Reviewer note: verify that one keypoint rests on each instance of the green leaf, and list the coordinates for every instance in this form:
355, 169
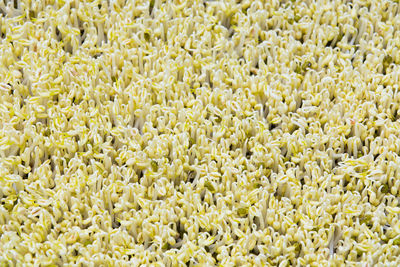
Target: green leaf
396, 241
386, 62
166, 246
209, 186
242, 211
297, 248
306, 65
366, 220
191, 142
297, 69
385, 189
151, 5
32, 14
154, 165
147, 36
257, 185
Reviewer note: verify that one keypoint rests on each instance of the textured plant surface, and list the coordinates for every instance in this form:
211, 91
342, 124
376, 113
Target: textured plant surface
231, 133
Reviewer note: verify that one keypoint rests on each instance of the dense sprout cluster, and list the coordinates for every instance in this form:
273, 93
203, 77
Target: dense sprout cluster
199, 132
